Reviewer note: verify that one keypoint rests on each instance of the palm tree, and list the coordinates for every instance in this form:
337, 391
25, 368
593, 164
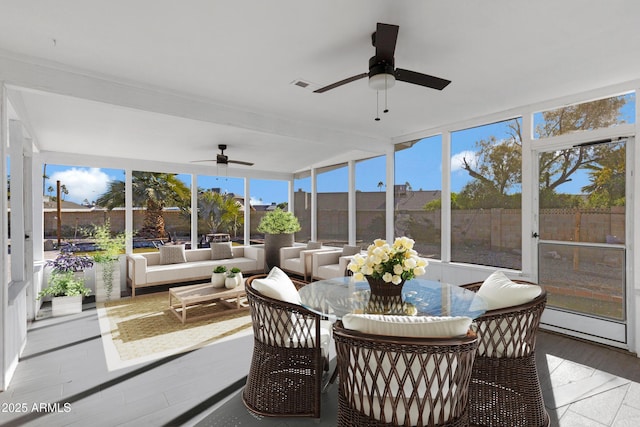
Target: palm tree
154, 191
219, 212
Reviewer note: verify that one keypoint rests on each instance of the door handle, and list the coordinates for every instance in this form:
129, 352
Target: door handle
534, 234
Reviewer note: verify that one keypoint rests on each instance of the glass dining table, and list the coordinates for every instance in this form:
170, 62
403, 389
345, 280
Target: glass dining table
333, 298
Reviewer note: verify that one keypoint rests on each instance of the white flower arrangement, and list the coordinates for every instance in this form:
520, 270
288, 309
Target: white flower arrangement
391, 263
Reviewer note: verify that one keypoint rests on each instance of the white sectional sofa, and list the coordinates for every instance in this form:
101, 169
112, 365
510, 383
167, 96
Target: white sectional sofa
169, 266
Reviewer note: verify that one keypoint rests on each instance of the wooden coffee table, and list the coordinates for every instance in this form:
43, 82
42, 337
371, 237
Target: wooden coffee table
196, 295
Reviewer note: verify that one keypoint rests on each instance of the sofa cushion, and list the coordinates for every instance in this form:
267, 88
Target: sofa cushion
221, 251
408, 326
498, 291
172, 254
277, 285
314, 245
350, 250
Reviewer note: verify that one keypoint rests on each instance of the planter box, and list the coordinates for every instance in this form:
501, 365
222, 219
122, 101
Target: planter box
61, 306
101, 291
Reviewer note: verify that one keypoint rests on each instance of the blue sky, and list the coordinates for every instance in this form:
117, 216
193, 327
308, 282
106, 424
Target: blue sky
420, 166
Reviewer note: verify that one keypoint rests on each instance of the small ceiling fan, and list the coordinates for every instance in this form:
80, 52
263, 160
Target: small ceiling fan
223, 159
382, 72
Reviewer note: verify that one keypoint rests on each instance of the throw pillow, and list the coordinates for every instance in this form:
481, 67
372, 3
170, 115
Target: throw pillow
408, 326
314, 245
498, 291
172, 254
277, 285
350, 250
221, 251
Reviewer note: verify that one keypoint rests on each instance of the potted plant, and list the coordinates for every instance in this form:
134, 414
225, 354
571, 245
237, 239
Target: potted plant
234, 278
66, 290
278, 227
107, 261
68, 262
218, 276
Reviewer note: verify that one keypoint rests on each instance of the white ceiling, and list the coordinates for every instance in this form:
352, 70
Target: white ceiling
168, 81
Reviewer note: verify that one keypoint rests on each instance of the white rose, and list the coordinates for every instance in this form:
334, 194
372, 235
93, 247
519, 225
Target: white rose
419, 271
387, 277
397, 269
396, 280
410, 263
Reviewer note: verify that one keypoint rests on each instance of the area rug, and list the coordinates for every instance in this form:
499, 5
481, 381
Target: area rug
143, 329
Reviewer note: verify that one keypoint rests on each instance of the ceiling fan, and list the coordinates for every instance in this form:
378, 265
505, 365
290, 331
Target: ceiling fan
223, 159
382, 72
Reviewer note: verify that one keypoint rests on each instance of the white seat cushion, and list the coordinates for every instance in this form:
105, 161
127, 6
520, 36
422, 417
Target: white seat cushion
498, 291
408, 326
277, 285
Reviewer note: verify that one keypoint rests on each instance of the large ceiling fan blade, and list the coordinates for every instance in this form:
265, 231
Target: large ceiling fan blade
202, 161
341, 82
384, 40
240, 162
421, 79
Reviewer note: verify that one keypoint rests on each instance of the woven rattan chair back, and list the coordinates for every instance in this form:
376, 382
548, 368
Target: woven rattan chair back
285, 375
505, 389
392, 381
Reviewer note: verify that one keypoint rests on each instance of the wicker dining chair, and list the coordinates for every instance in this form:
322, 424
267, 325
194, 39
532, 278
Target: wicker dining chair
285, 376
401, 381
505, 389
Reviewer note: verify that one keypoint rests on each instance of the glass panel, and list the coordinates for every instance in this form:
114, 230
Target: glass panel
220, 209
8, 217
370, 200
591, 115
266, 195
486, 174
333, 205
418, 194
582, 193
88, 197
302, 207
582, 279
162, 202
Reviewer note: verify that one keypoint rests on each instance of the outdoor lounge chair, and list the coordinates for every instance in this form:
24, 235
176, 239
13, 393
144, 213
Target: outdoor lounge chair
290, 352
505, 389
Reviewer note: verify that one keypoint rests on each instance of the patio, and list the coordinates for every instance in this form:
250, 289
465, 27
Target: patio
63, 363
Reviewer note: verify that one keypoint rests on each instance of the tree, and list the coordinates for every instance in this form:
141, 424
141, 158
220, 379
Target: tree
219, 212
153, 190
496, 166
608, 176
64, 191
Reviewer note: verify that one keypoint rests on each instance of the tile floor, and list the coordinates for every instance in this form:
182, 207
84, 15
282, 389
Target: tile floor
62, 380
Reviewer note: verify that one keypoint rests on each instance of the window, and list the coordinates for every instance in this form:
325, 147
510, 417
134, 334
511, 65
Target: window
486, 224
161, 204
266, 195
88, 197
333, 223
221, 207
302, 205
586, 116
370, 200
417, 193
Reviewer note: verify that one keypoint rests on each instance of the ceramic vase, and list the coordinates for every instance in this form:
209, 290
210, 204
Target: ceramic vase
218, 280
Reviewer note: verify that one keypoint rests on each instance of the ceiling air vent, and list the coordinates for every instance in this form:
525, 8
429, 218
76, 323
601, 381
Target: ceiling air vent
303, 84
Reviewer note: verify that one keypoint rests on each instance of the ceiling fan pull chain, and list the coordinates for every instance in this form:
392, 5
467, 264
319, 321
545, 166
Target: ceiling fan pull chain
386, 110
377, 119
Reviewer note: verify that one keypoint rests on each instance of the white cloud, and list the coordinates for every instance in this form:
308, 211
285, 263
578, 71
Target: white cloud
456, 160
82, 183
